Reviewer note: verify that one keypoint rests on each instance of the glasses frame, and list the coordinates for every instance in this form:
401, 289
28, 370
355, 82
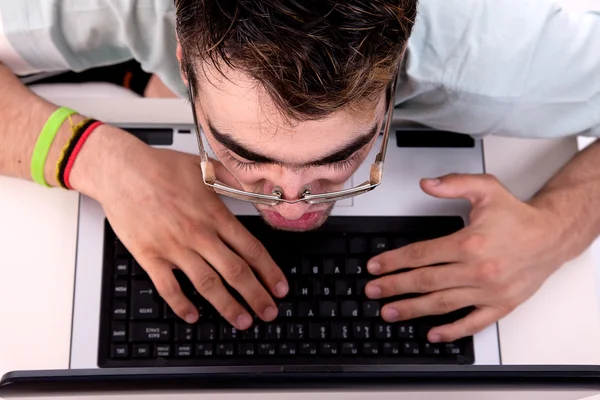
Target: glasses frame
375, 176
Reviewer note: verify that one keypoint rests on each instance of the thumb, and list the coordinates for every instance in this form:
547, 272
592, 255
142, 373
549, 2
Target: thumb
477, 189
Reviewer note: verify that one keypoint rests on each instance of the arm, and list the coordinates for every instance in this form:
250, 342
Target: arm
573, 197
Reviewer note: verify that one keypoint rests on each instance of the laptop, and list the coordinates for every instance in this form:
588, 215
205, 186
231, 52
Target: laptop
326, 323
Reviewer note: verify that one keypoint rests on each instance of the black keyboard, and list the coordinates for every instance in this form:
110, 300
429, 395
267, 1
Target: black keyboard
325, 320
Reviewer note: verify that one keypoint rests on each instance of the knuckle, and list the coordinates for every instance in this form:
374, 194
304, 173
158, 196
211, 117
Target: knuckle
491, 179
474, 243
489, 272
425, 282
415, 252
236, 271
206, 283
444, 304
254, 250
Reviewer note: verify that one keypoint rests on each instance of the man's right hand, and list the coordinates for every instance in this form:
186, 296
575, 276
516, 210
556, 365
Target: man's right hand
159, 207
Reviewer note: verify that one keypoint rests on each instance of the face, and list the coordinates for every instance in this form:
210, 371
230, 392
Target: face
259, 150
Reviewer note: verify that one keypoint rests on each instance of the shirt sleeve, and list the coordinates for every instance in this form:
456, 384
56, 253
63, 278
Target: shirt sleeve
503, 67
59, 35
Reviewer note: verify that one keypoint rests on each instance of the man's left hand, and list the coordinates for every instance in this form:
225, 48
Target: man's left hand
498, 261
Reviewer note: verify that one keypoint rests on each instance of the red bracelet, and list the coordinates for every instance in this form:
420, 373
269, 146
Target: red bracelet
76, 151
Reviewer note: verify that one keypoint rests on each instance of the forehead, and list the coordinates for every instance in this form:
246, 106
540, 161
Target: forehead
238, 106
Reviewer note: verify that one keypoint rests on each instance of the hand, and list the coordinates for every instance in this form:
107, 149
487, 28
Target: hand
160, 209
495, 263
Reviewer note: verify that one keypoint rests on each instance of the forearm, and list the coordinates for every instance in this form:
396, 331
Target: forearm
23, 115
573, 198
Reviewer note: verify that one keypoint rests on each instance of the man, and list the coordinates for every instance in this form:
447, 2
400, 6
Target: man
290, 95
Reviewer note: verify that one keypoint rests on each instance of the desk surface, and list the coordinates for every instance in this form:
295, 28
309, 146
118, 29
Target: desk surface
38, 233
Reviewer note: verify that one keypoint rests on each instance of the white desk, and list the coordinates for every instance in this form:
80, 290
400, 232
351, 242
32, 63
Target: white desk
559, 325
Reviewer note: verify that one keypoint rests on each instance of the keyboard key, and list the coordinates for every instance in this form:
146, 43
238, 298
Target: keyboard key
184, 350
168, 312
362, 330
308, 349
307, 310
349, 348
287, 349
341, 330
184, 333
328, 309
228, 332
274, 332
286, 310
254, 333
205, 350
370, 348
225, 349
411, 348
318, 330
370, 309
310, 267
246, 349
119, 351
119, 310
137, 269
350, 308
303, 288
207, 331
143, 300
432, 349
323, 288
453, 349
121, 288
121, 267
120, 249
360, 286
329, 349
383, 331
406, 331
323, 245
141, 350
391, 348
398, 242
379, 245
296, 331
354, 266
332, 266
205, 310
344, 287
358, 245
162, 350
119, 332
149, 332
267, 349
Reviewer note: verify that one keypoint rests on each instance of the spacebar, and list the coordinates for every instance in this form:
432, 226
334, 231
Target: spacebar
325, 245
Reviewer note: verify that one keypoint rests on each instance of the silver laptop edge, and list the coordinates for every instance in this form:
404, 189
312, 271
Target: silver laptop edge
399, 194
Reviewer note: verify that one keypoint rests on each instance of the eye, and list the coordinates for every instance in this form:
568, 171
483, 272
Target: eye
347, 163
241, 165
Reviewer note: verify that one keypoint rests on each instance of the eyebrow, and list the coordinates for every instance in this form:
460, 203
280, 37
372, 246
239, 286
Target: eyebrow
338, 155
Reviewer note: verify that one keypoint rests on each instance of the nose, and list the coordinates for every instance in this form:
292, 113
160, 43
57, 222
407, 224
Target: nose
291, 187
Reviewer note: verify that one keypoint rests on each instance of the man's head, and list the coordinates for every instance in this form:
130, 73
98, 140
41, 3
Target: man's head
291, 93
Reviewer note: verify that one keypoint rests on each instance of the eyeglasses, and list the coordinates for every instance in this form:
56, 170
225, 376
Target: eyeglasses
375, 175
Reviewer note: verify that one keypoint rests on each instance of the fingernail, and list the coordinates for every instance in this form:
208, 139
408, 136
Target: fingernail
373, 291
270, 313
190, 318
374, 267
281, 289
390, 314
433, 181
435, 338
244, 321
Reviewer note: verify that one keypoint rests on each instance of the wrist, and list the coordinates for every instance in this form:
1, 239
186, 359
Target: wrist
102, 154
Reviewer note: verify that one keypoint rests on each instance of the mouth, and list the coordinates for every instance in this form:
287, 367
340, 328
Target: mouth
308, 221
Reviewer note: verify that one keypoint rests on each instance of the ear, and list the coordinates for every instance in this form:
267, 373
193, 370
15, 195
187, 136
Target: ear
179, 58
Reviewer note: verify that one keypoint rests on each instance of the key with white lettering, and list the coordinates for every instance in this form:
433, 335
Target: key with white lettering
143, 300
149, 332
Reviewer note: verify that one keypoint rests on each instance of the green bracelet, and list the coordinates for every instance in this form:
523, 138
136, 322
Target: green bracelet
44, 142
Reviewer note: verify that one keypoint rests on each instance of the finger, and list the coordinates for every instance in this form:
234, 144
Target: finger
429, 252
210, 286
422, 280
472, 324
161, 274
240, 276
477, 188
437, 303
256, 255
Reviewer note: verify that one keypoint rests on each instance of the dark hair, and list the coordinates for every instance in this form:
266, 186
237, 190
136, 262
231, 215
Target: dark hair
313, 57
